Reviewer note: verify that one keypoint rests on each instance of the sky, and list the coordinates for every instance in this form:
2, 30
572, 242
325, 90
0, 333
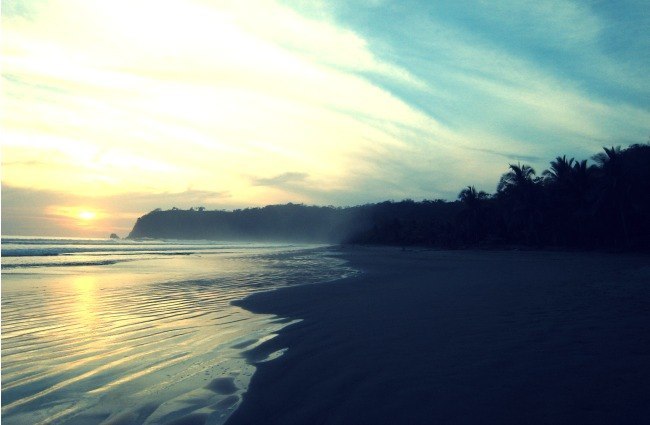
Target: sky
111, 109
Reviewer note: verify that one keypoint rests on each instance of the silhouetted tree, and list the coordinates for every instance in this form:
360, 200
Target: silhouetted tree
560, 171
581, 211
637, 165
472, 217
559, 197
614, 190
518, 180
518, 190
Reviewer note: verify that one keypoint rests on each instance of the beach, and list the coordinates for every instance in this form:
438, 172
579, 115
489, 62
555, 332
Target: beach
128, 332
425, 336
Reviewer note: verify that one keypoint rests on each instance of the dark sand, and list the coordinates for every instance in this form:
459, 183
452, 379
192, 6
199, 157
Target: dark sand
460, 337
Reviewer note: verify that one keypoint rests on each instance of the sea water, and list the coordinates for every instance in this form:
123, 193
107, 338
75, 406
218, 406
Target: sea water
138, 332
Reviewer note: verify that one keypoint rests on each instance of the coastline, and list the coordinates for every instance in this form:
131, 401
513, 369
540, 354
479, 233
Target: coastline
458, 337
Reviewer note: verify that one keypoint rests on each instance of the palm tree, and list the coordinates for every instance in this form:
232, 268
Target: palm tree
580, 172
519, 178
636, 166
471, 198
560, 170
614, 187
473, 214
582, 182
611, 158
518, 189
558, 182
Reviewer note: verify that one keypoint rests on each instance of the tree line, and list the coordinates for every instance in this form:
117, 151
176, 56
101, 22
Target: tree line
604, 204
573, 204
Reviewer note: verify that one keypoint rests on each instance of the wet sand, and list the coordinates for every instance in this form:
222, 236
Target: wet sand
459, 337
151, 340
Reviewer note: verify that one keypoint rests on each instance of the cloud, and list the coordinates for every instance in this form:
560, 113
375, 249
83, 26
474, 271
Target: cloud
319, 40
489, 87
157, 110
510, 155
280, 180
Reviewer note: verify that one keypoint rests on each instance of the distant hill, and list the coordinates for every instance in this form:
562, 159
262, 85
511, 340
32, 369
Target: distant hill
371, 223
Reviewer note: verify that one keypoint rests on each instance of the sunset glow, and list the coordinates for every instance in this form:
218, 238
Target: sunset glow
191, 103
87, 215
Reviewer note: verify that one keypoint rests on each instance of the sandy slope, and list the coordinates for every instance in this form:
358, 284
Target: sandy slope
460, 337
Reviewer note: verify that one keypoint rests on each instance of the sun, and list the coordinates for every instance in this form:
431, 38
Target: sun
87, 215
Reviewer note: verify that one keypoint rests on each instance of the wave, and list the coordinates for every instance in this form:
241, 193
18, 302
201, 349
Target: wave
29, 247
31, 252
74, 241
62, 264
53, 252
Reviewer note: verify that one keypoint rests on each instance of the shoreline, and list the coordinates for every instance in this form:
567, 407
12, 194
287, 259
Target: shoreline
153, 339
458, 337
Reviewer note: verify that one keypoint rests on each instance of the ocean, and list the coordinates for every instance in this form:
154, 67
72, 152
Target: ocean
98, 331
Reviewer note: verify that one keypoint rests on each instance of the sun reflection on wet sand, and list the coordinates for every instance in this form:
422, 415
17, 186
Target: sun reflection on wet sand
85, 302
